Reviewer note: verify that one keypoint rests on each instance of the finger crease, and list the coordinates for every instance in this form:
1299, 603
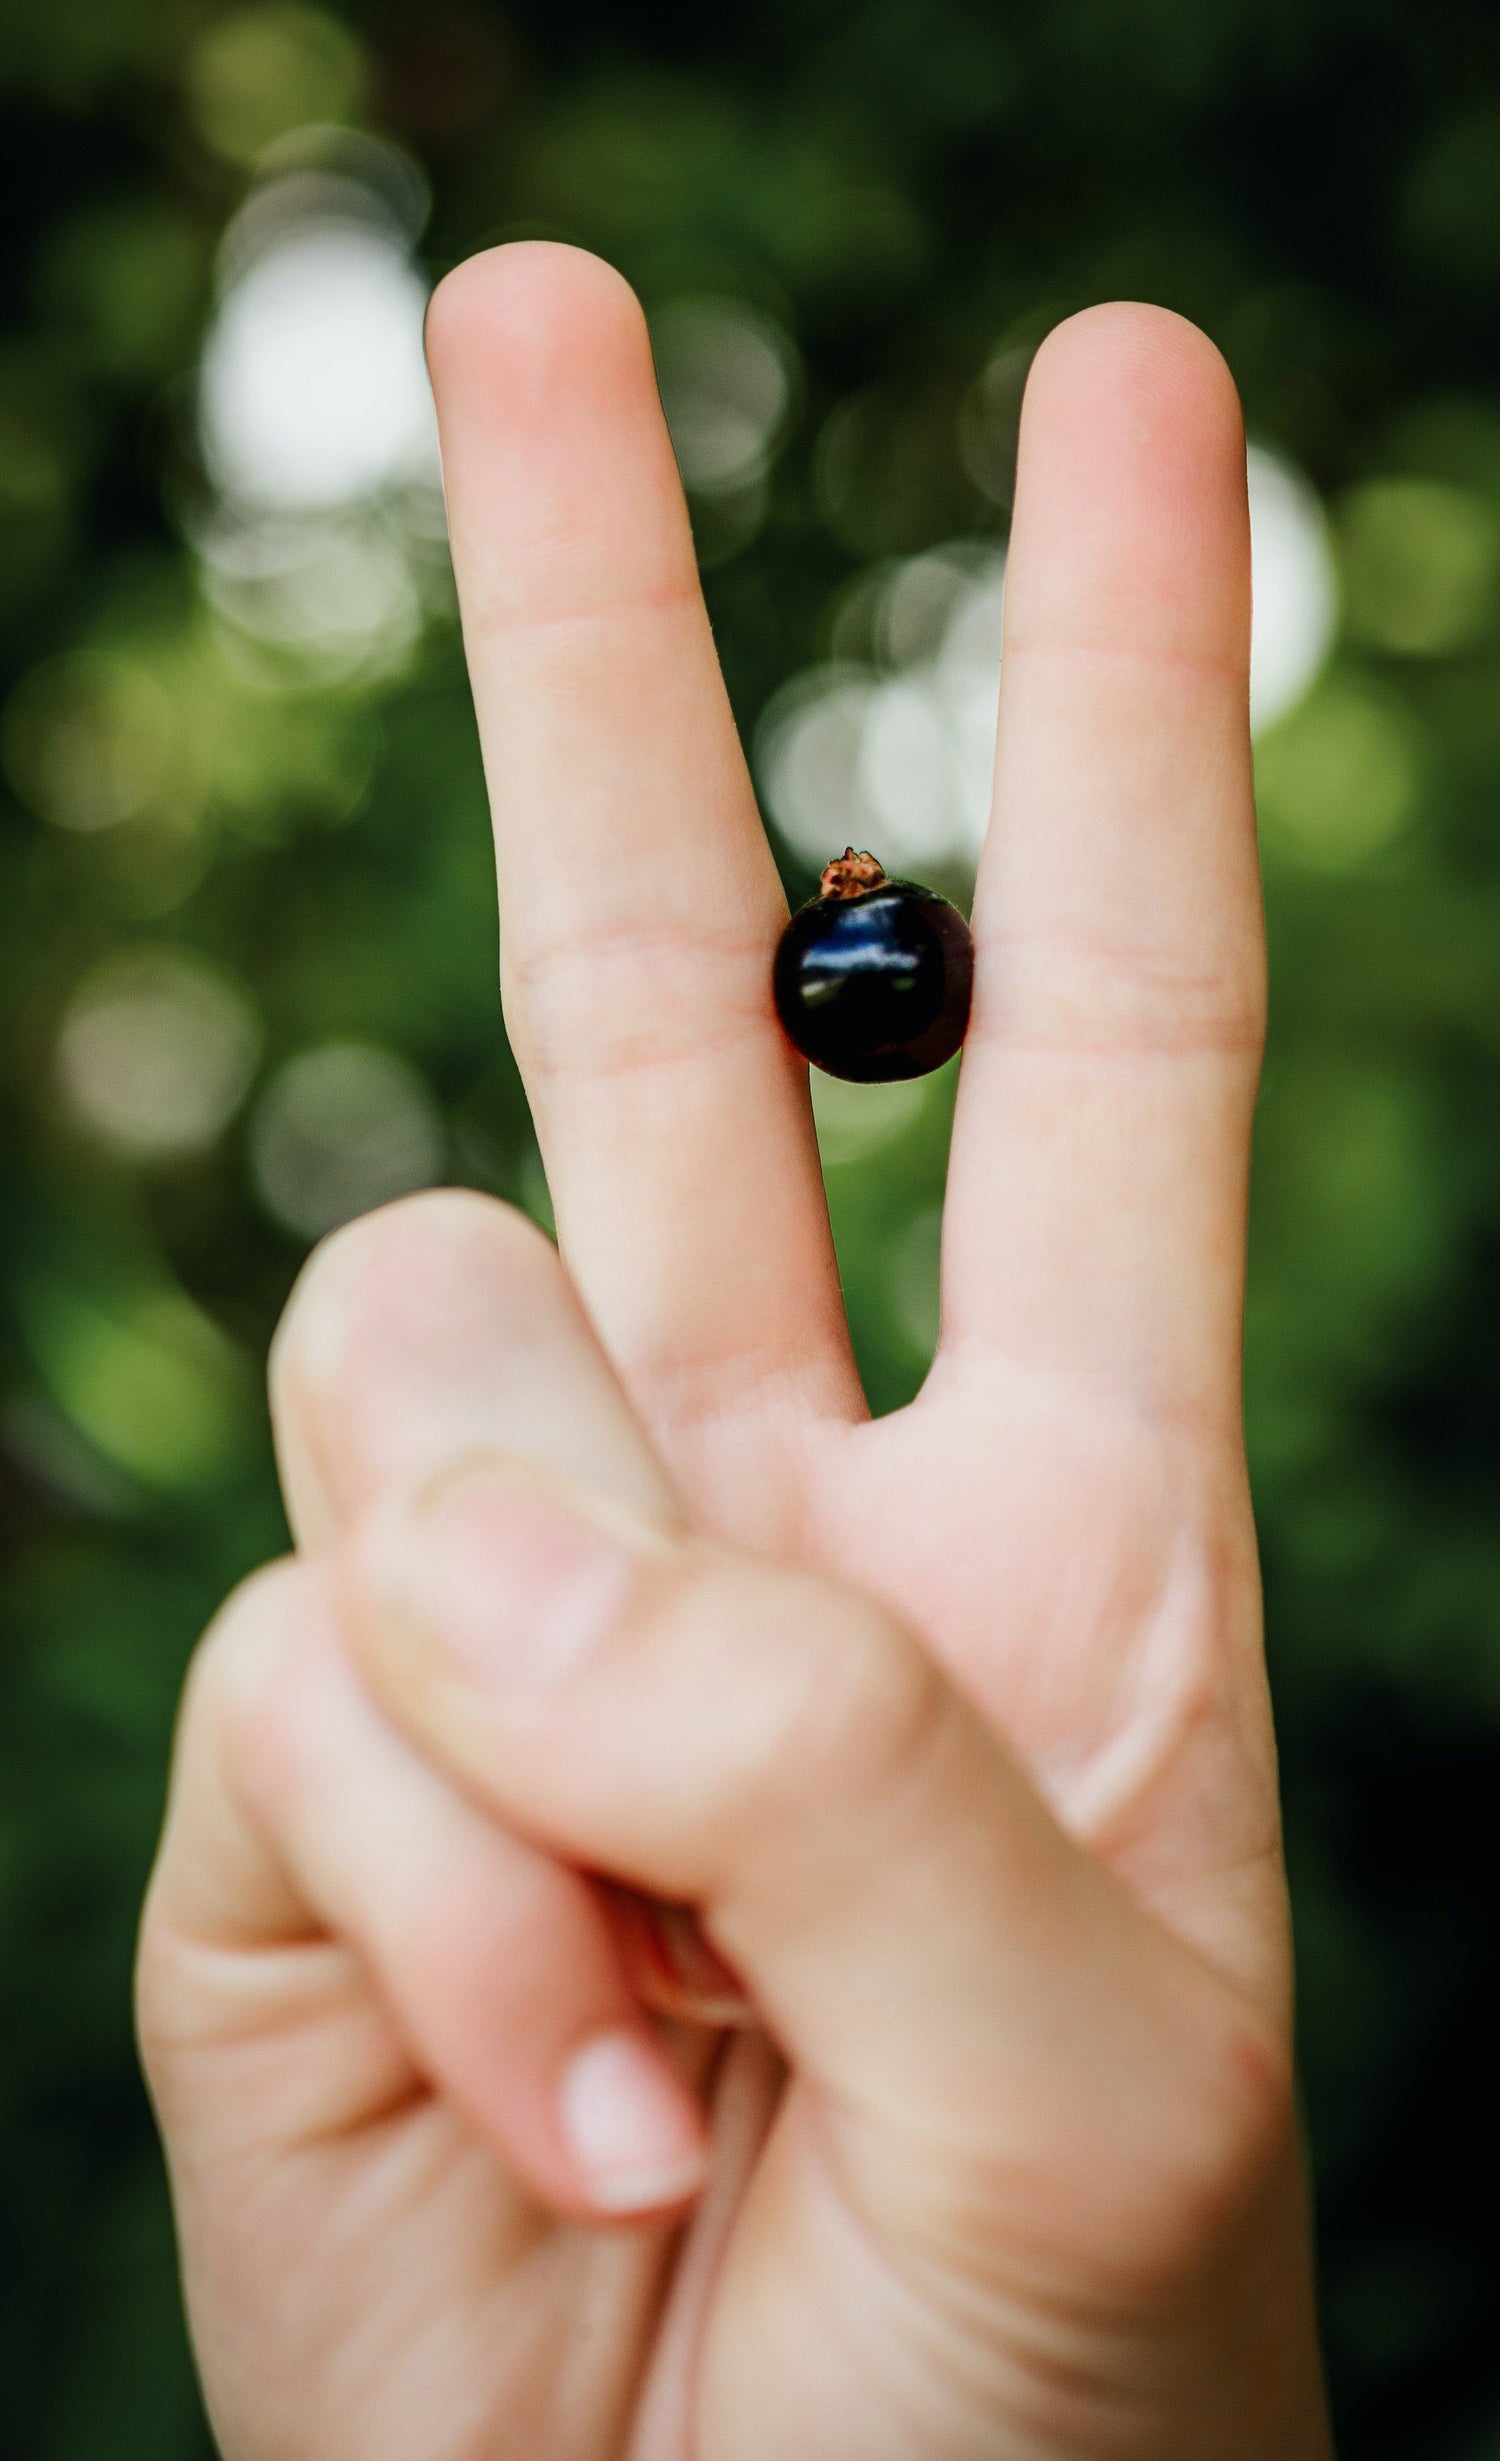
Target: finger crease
493, 619
1063, 646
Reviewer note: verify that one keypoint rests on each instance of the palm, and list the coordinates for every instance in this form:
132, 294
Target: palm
1062, 1513
1101, 1667
1090, 1579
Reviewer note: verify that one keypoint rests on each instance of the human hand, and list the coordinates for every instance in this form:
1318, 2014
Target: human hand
1032, 2183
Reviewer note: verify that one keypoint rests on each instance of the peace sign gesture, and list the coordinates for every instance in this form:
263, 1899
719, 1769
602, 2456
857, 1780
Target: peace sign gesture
953, 1724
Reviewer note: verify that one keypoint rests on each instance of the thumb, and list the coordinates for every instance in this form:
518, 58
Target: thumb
974, 1997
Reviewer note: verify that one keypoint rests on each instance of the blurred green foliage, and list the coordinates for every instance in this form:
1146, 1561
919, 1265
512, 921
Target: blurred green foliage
909, 192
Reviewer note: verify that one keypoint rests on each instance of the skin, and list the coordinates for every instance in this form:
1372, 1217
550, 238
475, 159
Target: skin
953, 1726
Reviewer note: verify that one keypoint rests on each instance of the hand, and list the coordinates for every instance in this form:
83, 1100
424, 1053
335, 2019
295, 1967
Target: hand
954, 1725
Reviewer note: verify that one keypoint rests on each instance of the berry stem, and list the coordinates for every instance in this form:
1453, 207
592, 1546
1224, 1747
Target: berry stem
850, 875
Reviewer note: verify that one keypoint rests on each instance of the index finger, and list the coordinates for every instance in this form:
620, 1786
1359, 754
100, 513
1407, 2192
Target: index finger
639, 903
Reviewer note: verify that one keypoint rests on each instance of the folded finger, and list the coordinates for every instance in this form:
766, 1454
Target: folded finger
436, 1324
923, 1939
301, 1818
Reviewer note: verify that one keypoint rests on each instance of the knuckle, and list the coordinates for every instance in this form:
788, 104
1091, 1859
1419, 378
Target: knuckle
155, 1974
1245, 2124
863, 1709
796, 1722
224, 1730
575, 997
243, 1698
166, 2005
498, 1927
158, 2031
1221, 2128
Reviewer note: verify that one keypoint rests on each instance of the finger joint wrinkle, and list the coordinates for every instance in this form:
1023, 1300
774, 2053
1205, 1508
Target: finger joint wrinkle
1155, 656
622, 1000
495, 618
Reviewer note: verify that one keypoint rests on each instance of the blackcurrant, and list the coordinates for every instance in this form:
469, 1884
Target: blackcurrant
873, 977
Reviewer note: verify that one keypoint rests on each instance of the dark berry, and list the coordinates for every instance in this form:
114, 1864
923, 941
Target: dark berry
873, 977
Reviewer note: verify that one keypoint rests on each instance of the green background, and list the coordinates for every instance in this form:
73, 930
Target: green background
907, 188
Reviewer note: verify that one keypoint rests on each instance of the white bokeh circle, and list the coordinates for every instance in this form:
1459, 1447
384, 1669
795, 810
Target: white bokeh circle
313, 391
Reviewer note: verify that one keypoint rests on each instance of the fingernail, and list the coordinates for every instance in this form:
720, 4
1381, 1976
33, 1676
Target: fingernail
507, 1584
628, 2127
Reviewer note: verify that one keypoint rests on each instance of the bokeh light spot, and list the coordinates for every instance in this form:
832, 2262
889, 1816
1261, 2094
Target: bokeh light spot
896, 751
1340, 780
314, 389
325, 544
340, 1129
156, 1052
726, 378
1295, 599
337, 595
89, 740
148, 1378
989, 425
260, 72
1420, 560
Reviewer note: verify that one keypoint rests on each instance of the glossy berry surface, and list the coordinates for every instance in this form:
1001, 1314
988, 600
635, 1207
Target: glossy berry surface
873, 977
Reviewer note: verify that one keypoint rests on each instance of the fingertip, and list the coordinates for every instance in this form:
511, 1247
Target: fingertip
1152, 373
563, 491
539, 304
1131, 514
501, 1973
634, 2132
